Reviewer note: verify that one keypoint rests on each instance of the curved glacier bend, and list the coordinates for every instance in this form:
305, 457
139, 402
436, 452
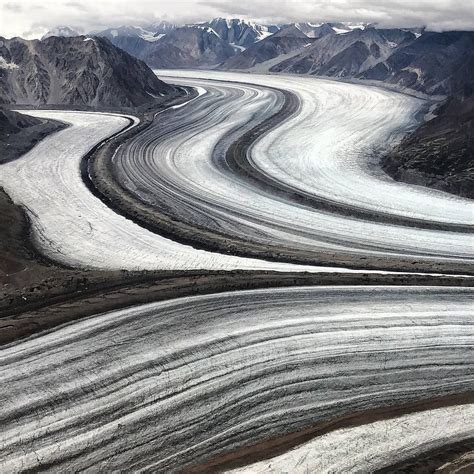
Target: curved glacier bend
167, 385
172, 166
72, 226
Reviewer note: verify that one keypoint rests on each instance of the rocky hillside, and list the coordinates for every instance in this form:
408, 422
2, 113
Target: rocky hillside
434, 63
205, 44
75, 71
440, 154
285, 41
188, 47
132, 39
20, 132
312, 30
346, 55
240, 33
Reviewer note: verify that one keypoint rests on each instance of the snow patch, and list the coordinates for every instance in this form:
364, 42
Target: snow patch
156, 38
237, 47
430, 114
4, 64
340, 31
200, 90
263, 34
155, 96
208, 29
415, 70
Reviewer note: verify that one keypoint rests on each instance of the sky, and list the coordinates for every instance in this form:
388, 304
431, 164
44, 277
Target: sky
32, 18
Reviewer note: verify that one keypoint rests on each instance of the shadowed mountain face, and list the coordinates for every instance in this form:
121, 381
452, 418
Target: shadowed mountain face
435, 63
19, 133
285, 41
432, 63
190, 46
132, 39
346, 54
440, 153
74, 71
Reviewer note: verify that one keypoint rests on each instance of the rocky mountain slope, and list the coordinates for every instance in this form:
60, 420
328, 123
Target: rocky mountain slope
20, 132
283, 42
433, 63
187, 47
132, 39
190, 46
440, 154
75, 71
240, 33
314, 30
348, 54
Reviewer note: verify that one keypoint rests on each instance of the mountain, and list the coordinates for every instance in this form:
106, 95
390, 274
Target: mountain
433, 63
312, 30
194, 45
346, 55
440, 153
283, 42
130, 31
132, 39
74, 71
239, 33
162, 27
64, 31
188, 47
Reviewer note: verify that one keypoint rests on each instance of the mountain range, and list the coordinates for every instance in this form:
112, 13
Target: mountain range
411, 58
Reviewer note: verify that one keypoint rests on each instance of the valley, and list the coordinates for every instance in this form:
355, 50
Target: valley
241, 260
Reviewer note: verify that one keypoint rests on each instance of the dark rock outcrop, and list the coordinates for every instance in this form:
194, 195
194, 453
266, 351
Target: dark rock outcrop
440, 154
20, 132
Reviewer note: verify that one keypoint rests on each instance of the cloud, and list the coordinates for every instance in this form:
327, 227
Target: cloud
12, 7
435, 14
34, 17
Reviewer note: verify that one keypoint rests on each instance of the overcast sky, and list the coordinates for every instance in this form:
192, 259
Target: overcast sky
32, 18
